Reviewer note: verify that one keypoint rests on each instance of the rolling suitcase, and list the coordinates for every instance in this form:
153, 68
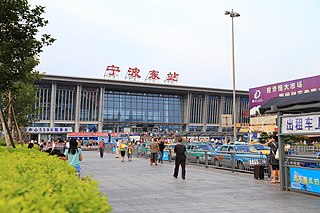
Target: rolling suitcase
258, 172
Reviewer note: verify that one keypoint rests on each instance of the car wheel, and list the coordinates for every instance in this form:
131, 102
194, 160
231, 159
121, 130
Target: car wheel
216, 162
241, 166
198, 160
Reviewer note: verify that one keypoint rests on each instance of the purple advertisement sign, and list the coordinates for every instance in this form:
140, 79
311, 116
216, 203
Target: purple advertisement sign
260, 95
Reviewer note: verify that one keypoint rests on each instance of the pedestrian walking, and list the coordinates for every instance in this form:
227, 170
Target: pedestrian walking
154, 148
101, 146
123, 147
180, 151
129, 151
117, 148
161, 148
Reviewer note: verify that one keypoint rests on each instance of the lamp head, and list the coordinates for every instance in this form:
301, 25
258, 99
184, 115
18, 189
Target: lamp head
227, 13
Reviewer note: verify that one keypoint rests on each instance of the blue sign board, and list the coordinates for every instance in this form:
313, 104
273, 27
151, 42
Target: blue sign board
165, 155
305, 179
255, 135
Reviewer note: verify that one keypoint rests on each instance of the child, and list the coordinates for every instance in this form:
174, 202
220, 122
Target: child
129, 152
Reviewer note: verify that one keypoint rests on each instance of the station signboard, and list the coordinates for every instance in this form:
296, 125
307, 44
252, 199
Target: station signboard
37, 130
301, 124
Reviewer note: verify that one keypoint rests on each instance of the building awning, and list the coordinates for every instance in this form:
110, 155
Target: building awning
303, 103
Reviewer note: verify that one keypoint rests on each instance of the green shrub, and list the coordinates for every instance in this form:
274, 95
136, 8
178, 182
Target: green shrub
3, 142
32, 181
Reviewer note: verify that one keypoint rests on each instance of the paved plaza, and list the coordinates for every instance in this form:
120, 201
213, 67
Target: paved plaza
138, 187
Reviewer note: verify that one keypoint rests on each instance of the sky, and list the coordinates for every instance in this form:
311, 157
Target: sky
275, 40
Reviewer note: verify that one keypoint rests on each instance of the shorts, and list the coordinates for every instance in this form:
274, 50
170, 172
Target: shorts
123, 153
78, 168
129, 155
153, 157
275, 167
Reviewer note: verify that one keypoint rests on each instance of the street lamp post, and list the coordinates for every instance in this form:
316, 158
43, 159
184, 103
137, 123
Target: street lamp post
232, 15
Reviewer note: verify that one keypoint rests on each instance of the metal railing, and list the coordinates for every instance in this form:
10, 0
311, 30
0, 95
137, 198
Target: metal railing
234, 164
303, 150
306, 162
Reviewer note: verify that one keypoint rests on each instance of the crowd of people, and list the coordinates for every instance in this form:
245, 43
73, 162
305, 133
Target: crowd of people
157, 146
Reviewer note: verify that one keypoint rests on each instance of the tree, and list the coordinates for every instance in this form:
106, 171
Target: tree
20, 45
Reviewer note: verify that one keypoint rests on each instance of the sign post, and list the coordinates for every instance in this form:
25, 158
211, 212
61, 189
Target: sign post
226, 120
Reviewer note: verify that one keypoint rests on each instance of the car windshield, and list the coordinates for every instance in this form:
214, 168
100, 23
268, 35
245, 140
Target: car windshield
242, 148
259, 146
204, 147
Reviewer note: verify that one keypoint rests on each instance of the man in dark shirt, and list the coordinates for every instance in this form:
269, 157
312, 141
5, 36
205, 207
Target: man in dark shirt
180, 151
161, 148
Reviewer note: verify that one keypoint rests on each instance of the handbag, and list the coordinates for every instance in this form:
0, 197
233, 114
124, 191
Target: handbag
276, 156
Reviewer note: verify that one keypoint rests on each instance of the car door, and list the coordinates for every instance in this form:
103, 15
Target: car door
221, 155
190, 153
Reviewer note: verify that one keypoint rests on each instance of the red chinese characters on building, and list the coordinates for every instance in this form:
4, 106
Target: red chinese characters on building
112, 71
133, 73
153, 75
172, 76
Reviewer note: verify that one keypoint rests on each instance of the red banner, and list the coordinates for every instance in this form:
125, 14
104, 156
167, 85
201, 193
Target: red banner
93, 134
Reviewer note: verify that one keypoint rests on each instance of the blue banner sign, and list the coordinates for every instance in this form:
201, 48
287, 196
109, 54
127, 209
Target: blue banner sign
165, 155
305, 179
36, 130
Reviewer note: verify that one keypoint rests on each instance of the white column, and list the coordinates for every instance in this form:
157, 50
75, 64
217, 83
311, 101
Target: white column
205, 113
77, 113
101, 106
53, 103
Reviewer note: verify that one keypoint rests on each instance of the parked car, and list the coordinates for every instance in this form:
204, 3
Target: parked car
169, 147
243, 157
261, 148
144, 149
196, 152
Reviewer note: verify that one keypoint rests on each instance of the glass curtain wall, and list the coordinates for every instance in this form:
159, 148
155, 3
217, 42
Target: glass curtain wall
127, 107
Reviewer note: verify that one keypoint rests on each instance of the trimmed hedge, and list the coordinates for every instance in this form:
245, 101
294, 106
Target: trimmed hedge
32, 181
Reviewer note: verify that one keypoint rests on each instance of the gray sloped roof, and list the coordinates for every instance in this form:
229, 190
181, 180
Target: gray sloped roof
304, 103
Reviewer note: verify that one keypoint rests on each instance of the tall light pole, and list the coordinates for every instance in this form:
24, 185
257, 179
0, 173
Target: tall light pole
232, 15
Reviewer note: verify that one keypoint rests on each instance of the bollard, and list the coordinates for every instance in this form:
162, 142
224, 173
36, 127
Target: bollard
206, 158
232, 162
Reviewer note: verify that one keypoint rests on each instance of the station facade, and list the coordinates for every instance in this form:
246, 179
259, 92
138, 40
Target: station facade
104, 105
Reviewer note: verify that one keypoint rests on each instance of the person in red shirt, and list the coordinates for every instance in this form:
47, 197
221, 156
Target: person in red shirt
101, 146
